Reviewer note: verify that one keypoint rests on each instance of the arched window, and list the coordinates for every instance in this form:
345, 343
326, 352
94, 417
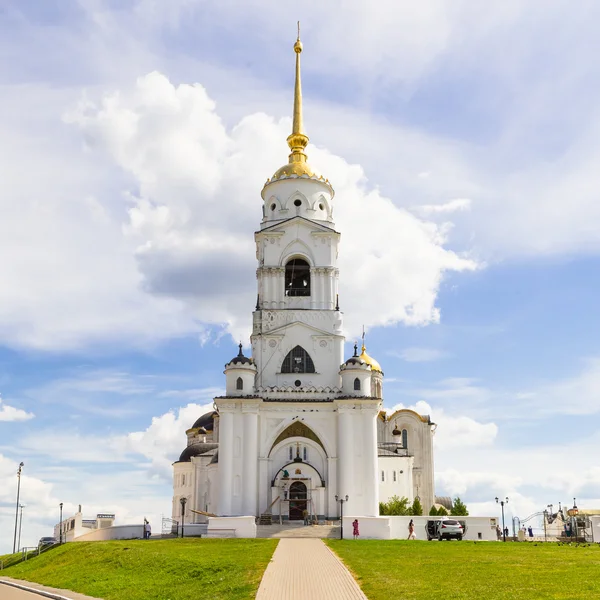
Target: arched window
357, 384
291, 453
382, 475
305, 453
239, 384
298, 361
404, 438
297, 278
394, 475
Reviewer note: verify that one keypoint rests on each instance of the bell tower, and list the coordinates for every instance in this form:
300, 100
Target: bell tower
297, 344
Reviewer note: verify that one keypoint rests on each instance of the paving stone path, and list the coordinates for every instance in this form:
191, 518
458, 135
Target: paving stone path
307, 568
35, 590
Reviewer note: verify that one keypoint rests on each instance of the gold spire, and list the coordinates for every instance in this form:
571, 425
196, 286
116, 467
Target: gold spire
298, 140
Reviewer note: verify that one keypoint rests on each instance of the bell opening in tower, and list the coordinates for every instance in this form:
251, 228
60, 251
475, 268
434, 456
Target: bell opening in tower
298, 361
297, 278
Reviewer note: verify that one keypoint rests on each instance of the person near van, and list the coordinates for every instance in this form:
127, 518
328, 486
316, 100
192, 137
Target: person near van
530, 531
411, 531
355, 531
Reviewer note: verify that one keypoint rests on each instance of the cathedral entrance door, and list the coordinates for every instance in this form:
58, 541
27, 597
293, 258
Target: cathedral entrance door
298, 498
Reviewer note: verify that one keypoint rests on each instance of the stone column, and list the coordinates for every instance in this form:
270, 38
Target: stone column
280, 283
225, 459
264, 484
371, 483
269, 287
345, 456
331, 481
322, 282
250, 458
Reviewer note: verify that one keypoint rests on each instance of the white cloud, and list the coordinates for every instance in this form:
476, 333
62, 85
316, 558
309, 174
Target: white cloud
454, 430
416, 354
576, 395
192, 217
164, 439
10, 413
454, 205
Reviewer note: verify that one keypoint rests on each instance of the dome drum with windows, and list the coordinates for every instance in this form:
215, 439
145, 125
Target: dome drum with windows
240, 373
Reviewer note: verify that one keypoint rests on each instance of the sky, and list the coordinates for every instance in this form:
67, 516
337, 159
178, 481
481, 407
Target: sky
135, 137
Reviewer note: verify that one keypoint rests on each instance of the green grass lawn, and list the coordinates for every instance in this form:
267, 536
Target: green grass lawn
483, 570
153, 570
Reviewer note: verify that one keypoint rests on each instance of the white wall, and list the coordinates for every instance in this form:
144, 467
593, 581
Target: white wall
402, 466
241, 527
117, 532
384, 528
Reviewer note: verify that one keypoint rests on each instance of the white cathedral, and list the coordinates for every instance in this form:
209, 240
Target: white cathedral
299, 427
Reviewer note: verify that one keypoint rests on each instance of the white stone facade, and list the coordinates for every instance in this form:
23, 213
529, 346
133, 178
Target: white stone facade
298, 426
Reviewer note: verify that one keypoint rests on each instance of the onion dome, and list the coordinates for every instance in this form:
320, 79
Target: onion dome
375, 366
354, 360
196, 450
297, 140
205, 422
240, 359
396, 430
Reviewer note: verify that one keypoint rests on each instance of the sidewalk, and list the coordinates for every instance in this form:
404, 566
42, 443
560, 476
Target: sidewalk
40, 591
307, 568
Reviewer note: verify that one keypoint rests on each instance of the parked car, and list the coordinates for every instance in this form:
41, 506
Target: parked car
444, 529
47, 541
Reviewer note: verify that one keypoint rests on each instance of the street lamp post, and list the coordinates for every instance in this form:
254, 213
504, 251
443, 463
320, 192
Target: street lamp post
60, 529
21, 465
502, 503
20, 524
182, 501
574, 512
341, 501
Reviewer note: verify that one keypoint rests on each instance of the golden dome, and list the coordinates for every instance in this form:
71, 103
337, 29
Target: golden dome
375, 366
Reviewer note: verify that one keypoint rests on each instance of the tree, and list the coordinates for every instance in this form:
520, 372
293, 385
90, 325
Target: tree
433, 511
416, 510
459, 508
442, 512
394, 506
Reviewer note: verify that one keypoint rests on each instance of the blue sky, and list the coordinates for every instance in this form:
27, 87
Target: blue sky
461, 141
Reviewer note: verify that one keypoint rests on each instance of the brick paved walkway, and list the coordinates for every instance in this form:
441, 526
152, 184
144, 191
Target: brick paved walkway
303, 569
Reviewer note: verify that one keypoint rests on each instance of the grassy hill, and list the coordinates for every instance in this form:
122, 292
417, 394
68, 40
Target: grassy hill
153, 569
482, 570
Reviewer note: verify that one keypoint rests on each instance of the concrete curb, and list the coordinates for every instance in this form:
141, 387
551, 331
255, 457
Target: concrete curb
40, 592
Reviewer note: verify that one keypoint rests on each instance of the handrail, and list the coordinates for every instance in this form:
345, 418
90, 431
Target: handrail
201, 512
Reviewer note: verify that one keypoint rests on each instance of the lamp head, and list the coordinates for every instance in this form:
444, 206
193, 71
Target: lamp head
496, 499
346, 497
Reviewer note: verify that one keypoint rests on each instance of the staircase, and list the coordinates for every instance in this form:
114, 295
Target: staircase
296, 529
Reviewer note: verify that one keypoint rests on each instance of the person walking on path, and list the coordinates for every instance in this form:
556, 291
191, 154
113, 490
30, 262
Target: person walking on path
411, 531
305, 516
355, 531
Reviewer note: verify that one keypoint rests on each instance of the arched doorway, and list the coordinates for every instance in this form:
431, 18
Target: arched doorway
298, 500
